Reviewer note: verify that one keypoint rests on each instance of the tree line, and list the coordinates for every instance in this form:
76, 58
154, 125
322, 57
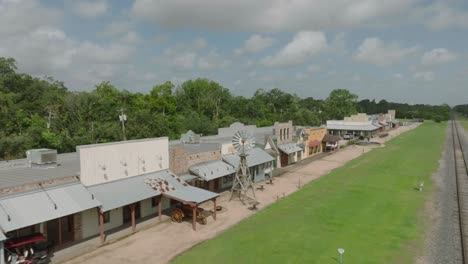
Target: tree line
43, 113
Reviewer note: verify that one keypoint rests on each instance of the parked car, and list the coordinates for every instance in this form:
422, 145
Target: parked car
331, 146
348, 136
31, 249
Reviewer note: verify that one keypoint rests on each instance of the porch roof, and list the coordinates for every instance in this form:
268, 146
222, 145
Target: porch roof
41, 205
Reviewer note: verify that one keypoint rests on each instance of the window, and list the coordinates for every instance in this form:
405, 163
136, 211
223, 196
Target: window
106, 217
227, 179
154, 202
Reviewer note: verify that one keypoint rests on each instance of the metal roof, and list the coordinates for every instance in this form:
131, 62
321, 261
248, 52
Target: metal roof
25, 209
289, 148
212, 169
192, 148
122, 192
352, 127
16, 172
255, 157
192, 194
187, 177
173, 186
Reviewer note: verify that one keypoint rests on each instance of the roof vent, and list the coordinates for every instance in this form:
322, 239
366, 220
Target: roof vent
41, 157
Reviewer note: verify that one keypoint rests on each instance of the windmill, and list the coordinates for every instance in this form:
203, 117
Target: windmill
243, 142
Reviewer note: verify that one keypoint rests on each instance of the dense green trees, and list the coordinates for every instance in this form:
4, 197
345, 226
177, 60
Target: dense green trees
43, 113
462, 109
434, 112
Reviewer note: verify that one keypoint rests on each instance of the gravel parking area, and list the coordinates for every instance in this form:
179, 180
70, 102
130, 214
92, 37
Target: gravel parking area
159, 244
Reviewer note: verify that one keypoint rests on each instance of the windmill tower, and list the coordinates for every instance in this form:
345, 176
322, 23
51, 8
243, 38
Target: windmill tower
243, 142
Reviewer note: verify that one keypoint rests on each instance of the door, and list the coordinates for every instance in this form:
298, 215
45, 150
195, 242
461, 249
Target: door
67, 230
127, 213
284, 159
61, 230
53, 232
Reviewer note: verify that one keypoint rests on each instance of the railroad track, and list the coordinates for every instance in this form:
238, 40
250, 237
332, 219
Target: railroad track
461, 173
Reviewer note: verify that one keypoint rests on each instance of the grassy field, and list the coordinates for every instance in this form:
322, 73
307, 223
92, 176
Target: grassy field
369, 207
464, 122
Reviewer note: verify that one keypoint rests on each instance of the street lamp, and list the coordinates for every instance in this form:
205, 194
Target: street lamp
341, 251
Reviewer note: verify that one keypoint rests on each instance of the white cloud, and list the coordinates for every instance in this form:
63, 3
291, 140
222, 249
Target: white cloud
303, 45
424, 76
441, 15
200, 43
313, 69
21, 17
88, 8
375, 51
437, 57
255, 43
398, 76
212, 61
181, 60
130, 38
41, 47
117, 28
271, 15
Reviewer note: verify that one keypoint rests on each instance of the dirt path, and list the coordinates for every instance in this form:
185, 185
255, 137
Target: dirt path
159, 244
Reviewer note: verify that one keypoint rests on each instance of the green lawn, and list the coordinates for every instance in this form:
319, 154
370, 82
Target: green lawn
369, 207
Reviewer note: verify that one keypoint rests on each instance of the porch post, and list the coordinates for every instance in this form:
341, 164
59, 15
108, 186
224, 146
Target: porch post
214, 209
60, 230
2, 253
160, 208
132, 208
194, 217
101, 225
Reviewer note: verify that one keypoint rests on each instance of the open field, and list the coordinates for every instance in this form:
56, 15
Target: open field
464, 122
369, 207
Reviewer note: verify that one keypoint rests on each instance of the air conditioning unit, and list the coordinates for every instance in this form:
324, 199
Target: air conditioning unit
41, 156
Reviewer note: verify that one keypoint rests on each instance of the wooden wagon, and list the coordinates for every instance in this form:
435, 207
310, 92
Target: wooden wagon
179, 213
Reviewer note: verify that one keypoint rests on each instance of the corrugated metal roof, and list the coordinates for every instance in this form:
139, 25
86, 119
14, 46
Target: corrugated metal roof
289, 148
201, 147
212, 169
187, 177
16, 173
255, 157
39, 206
122, 192
352, 127
171, 185
192, 194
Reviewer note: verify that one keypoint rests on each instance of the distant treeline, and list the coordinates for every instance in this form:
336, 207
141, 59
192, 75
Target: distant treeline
42, 112
461, 109
406, 111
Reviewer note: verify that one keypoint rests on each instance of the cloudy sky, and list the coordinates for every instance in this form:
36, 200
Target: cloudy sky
412, 51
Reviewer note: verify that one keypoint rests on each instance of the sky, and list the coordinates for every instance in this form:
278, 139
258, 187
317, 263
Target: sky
411, 51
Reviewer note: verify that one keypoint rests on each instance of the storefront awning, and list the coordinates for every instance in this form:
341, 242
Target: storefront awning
289, 148
41, 205
314, 143
123, 192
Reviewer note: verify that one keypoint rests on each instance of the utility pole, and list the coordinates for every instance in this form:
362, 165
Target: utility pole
48, 121
123, 118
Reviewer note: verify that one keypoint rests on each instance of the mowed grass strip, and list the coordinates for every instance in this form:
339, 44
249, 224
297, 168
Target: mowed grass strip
369, 207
